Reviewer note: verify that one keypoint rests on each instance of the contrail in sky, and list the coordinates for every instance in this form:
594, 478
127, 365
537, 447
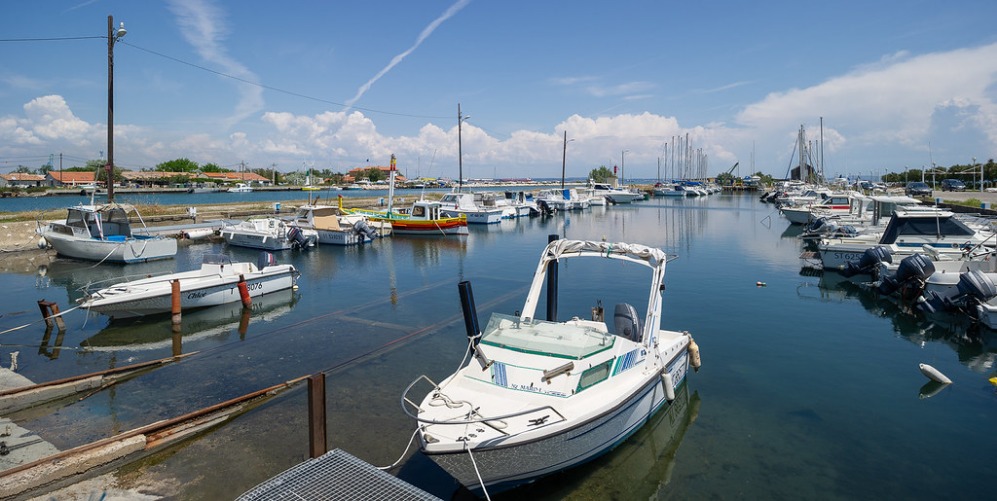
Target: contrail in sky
201, 25
428, 30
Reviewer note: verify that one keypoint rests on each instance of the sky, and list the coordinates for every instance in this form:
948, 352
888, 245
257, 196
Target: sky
876, 87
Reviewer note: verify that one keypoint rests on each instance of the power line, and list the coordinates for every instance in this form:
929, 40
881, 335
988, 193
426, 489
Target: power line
49, 39
275, 89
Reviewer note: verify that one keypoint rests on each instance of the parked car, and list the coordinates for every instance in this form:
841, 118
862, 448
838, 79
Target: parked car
953, 185
917, 189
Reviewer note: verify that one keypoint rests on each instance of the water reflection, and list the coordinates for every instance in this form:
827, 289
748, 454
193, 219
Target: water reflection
974, 344
155, 332
639, 468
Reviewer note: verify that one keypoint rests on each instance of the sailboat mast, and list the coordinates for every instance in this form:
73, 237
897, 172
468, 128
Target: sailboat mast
391, 181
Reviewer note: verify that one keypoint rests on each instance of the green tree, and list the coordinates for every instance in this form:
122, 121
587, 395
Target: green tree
373, 174
178, 165
212, 167
725, 179
600, 175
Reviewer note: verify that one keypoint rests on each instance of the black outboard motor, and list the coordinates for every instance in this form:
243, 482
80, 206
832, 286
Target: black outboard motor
912, 271
265, 259
297, 238
868, 262
362, 228
974, 287
545, 208
627, 322
817, 226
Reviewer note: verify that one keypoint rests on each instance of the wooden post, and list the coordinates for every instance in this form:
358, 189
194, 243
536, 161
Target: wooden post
175, 305
59, 322
316, 415
43, 306
50, 310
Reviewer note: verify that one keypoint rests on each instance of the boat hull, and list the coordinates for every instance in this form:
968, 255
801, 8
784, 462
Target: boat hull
506, 466
400, 227
154, 295
124, 250
476, 217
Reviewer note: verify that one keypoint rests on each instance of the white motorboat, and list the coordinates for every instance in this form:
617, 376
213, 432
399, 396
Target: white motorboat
456, 204
834, 205
547, 395
906, 233
241, 188
669, 190
514, 204
215, 282
555, 199
104, 233
617, 195
333, 227
269, 233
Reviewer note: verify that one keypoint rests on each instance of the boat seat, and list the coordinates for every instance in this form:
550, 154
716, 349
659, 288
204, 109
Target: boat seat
627, 322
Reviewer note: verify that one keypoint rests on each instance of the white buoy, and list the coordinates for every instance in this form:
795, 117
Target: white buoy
934, 374
42, 243
666, 380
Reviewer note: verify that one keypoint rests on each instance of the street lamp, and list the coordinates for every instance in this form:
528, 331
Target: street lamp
981, 174
112, 36
460, 152
564, 156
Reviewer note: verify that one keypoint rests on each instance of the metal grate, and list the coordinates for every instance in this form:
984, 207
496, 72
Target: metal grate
334, 475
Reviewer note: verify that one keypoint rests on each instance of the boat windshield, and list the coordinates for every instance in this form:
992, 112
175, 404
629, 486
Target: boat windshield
935, 226
216, 259
541, 337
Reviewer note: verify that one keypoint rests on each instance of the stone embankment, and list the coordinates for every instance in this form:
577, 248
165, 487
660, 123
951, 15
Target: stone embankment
19, 238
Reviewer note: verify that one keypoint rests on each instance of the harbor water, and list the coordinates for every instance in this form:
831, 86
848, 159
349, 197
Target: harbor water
810, 387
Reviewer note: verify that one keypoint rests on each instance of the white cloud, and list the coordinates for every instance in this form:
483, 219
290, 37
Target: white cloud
202, 25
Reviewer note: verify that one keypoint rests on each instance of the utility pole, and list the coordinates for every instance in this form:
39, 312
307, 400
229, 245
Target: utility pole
112, 37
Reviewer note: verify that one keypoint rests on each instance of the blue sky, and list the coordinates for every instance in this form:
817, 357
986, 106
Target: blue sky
338, 84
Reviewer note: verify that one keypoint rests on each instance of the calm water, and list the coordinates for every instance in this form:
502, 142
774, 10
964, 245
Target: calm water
809, 389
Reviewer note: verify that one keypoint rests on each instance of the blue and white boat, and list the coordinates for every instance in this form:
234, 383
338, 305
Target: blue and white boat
908, 231
543, 396
104, 233
465, 204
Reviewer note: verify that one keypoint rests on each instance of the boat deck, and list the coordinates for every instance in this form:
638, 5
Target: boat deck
335, 475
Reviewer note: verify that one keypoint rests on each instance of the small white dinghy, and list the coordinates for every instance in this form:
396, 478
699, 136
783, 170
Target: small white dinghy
547, 395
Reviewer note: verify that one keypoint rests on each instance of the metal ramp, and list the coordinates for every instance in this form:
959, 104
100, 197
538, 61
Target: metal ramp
335, 475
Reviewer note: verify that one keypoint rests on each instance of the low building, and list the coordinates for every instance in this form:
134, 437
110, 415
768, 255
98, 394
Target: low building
71, 179
150, 179
22, 180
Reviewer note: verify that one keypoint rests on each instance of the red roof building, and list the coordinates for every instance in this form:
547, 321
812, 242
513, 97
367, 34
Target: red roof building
71, 178
19, 179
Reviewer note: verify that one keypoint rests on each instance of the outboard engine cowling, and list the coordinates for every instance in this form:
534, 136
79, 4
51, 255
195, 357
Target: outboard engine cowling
917, 267
265, 259
362, 228
295, 235
627, 322
974, 288
977, 284
869, 260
